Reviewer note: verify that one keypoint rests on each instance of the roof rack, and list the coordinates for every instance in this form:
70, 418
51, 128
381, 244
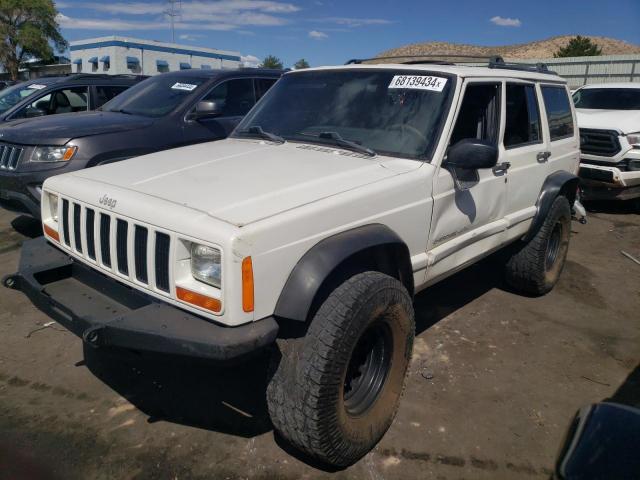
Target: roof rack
93, 75
539, 67
432, 58
494, 61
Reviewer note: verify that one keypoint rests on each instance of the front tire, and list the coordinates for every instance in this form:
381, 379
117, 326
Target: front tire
336, 390
535, 267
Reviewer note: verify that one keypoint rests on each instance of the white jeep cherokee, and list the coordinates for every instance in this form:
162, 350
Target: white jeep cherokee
342, 194
609, 121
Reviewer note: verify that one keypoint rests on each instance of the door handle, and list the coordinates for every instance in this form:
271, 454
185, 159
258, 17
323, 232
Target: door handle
501, 168
542, 157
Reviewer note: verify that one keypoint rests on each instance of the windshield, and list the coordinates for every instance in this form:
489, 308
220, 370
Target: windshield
608, 98
10, 97
154, 97
387, 113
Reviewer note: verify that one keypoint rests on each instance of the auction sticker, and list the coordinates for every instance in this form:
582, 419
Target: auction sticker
184, 86
418, 82
37, 86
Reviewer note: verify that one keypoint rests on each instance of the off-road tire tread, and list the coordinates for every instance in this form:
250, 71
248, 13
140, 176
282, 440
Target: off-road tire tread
525, 269
295, 394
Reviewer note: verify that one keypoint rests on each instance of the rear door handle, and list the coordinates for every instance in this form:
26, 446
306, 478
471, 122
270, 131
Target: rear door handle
501, 168
543, 156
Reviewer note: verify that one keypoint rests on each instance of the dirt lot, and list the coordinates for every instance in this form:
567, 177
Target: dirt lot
495, 379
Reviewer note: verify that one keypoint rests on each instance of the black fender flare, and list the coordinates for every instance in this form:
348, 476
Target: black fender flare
560, 182
319, 262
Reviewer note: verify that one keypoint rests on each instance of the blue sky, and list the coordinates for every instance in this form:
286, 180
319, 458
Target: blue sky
330, 32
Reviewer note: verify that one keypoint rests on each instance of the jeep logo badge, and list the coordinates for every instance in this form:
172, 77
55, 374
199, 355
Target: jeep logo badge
108, 202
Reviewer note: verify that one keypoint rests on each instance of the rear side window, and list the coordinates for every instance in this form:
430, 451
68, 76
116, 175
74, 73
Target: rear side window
262, 85
556, 102
105, 93
522, 117
65, 100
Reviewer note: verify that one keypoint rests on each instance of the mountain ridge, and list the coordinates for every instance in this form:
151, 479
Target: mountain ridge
537, 49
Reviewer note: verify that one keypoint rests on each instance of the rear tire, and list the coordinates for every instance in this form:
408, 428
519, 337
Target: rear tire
335, 391
535, 267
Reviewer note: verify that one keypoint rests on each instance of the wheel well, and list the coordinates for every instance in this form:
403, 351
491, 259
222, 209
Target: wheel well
390, 259
569, 189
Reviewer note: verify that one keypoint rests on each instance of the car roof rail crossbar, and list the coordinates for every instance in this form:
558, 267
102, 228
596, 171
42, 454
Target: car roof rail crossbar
525, 67
431, 58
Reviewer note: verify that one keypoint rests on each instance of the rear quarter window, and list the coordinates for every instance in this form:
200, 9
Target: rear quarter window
556, 102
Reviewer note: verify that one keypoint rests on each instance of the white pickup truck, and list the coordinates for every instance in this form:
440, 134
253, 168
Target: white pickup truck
344, 192
609, 121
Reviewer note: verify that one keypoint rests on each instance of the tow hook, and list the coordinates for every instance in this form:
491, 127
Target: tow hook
579, 213
92, 336
12, 282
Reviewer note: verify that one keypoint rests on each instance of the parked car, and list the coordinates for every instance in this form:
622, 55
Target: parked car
609, 121
344, 192
601, 443
165, 111
6, 84
61, 94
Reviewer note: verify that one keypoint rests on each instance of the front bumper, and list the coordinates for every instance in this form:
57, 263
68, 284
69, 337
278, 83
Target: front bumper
106, 313
21, 189
21, 192
604, 182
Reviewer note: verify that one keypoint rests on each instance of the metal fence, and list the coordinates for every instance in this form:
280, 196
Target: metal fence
586, 70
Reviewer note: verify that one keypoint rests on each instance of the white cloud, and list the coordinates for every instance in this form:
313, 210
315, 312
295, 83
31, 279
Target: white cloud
250, 61
190, 37
221, 15
106, 24
315, 34
506, 21
353, 22
189, 9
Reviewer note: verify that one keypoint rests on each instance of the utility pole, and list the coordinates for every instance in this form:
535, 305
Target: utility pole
172, 12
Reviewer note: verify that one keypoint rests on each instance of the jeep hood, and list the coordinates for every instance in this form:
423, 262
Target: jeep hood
626, 121
61, 128
237, 181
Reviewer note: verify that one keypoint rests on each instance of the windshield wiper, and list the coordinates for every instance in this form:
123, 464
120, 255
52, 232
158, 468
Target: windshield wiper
342, 142
257, 131
121, 110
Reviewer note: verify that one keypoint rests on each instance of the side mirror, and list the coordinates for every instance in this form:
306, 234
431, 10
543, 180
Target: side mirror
472, 154
33, 112
207, 109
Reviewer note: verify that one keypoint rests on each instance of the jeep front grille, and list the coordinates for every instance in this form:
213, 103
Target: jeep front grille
599, 142
117, 244
10, 156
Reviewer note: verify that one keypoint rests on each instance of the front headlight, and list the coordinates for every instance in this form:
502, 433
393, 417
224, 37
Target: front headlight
634, 139
53, 206
53, 154
205, 264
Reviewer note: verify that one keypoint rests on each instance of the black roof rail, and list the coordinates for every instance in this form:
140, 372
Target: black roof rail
431, 58
525, 67
494, 61
76, 76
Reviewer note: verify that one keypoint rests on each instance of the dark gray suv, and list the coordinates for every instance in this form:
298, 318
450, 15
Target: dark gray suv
162, 112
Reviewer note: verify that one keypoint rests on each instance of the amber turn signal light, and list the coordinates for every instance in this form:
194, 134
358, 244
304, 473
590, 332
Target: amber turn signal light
50, 232
198, 299
247, 285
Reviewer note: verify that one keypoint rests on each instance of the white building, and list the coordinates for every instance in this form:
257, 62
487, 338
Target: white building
120, 55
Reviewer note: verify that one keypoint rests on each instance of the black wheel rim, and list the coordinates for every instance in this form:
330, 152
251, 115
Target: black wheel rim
553, 246
368, 369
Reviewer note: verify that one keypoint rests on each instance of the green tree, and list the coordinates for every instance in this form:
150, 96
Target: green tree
270, 62
579, 47
302, 63
28, 29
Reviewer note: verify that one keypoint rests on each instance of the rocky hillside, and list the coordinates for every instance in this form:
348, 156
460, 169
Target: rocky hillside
539, 49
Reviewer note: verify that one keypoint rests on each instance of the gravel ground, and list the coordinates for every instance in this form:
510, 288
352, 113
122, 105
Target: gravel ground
495, 380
